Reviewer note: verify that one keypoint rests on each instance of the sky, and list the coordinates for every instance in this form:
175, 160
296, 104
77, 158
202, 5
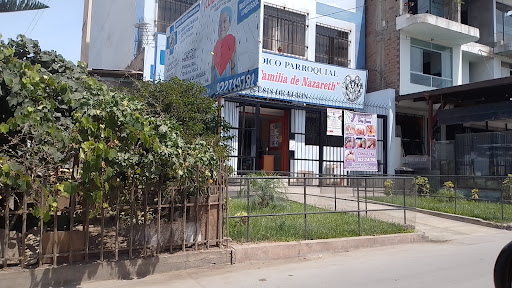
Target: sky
57, 28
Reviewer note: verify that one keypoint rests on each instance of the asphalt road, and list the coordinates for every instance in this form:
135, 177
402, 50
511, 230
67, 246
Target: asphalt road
466, 261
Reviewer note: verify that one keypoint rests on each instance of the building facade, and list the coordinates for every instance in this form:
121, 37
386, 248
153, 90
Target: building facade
449, 63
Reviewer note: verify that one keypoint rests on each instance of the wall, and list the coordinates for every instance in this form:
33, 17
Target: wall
111, 34
383, 48
386, 100
485, 69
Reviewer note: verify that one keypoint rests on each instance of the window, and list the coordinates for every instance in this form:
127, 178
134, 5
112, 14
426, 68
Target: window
431, 64
170, 10
331, 46
284, 31
313, 128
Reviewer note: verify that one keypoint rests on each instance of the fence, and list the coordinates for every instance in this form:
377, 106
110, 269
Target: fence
461, 194
135, 222
271, 208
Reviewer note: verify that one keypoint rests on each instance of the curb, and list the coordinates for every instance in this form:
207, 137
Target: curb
124, 269
285, 250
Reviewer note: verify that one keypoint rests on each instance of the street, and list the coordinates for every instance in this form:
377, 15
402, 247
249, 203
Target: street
465, 261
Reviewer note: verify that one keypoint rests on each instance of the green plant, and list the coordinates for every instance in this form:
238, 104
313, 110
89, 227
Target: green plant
388, 187
422, 185
448, 192
507, 188
265, 191
474, 194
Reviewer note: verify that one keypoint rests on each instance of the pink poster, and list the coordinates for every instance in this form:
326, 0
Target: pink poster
360, 142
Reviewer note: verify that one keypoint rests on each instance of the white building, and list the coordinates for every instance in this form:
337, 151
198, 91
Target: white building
446, 60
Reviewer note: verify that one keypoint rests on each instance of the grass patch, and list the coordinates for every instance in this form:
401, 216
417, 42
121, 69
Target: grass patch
478, 209
291, 228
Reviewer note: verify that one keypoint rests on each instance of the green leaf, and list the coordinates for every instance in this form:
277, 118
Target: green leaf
112, 153
4, 128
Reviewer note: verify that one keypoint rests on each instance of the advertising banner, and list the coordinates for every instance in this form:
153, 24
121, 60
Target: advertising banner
334, 122
286, 78
360, 142
216, 43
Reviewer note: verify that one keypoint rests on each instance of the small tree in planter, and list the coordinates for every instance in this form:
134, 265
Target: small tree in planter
422, 185
474, 194
388, 187
507, 188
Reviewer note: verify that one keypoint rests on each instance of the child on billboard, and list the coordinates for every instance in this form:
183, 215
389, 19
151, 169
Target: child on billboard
223, 60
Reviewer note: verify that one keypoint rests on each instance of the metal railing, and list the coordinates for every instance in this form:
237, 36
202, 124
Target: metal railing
316, 203
136, 222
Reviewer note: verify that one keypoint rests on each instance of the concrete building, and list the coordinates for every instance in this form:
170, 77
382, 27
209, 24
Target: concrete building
446, 61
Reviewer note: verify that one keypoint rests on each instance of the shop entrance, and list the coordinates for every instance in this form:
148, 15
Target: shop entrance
262, 138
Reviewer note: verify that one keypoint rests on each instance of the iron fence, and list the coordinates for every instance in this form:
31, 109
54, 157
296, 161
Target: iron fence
283, 208
135, 222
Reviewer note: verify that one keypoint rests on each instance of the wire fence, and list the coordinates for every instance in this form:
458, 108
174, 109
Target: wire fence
306, 207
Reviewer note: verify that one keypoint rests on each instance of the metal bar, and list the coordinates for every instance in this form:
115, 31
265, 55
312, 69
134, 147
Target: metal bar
132, 211
197, 209
144, 250
502, 214
365, 199
86, 232
405, 206
6, 230
55, 235
455, 197
314, 213
305, 211
207, 232
102, 241
248, 208
171, 236
118, 190
358, 209
23, 231
335, 196
159, 214
184, 220
41, 252
72, 203
220, 210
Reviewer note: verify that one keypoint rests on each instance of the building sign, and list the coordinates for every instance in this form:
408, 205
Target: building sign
360, 142
334, 122
216, 43
286, 78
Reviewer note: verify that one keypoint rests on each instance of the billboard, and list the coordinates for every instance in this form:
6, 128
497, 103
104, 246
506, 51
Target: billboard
216, 43
360, 142
286, 78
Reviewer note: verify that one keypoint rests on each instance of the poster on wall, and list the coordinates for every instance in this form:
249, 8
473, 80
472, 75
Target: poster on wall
215, 43
360, 142
334, 122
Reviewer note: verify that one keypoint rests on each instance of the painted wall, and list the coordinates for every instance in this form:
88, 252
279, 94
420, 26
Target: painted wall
154, 59
111, 35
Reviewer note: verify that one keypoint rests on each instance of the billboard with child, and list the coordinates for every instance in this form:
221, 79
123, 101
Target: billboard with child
216, 43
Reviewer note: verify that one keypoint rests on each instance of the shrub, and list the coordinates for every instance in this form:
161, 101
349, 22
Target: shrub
507, 188
448, 192
422, 185
388, 187
474, 194
265, 191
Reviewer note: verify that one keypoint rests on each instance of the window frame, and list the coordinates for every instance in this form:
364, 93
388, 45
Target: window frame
331, 58
288, 21
432, 47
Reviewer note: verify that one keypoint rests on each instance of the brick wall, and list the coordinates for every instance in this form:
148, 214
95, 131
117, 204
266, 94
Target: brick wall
382, 44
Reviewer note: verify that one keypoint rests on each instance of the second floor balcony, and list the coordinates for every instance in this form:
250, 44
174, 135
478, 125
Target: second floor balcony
435, 19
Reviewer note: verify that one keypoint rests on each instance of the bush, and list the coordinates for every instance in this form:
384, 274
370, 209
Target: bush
265, 191
422, 185
474, 194
448, 192
388, 187
507, 188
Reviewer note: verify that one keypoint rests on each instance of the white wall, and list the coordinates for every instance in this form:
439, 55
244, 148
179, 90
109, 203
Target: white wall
386, 98
484, 70
112, 34
465, 70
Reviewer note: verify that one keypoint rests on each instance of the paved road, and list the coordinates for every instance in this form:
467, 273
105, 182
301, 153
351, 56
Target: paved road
465, 261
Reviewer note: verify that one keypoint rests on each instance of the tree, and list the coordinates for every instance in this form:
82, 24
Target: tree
21, 5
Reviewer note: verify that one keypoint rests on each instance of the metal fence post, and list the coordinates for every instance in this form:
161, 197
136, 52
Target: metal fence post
455, 197
335, 195
405, 206
305, 210
358, 209
365, 199
248, 207
502, 214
